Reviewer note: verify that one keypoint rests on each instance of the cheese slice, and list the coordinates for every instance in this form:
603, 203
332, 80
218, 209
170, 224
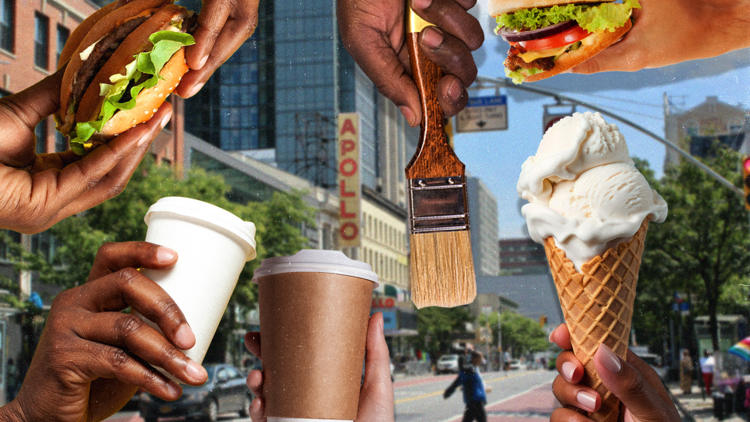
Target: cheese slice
530, 56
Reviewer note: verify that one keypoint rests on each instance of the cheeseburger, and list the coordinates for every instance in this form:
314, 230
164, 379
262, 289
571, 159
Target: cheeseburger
548, 37
122, 63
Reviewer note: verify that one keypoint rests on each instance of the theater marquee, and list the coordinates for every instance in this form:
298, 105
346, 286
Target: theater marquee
349, 181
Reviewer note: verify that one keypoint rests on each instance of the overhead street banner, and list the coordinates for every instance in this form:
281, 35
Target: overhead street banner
483, 114
349, 180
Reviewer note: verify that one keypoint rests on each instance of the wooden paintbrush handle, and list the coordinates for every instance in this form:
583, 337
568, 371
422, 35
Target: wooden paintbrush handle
434, 156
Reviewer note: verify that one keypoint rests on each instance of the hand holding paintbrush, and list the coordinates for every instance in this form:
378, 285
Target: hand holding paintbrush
442, 268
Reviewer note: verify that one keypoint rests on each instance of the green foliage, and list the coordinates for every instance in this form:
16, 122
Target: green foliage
520, 335
279, 223
700, 250
439, 327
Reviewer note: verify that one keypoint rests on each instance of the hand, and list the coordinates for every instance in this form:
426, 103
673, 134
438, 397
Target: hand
373, 32
91, 357
641, 392
223, 26
672, 31
376, 395
41, 189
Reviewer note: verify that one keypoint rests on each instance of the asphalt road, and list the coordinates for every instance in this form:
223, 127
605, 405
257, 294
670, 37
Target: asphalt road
516, 396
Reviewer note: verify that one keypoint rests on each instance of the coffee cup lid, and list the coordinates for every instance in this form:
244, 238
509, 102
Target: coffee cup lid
316, 261
208, 213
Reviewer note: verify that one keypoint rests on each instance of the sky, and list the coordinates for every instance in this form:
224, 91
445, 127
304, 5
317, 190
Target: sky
496, 157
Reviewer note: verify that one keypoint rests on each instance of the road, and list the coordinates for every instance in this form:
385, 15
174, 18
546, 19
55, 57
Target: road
517, 396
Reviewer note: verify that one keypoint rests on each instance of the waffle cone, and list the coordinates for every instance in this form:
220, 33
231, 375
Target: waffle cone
597, 304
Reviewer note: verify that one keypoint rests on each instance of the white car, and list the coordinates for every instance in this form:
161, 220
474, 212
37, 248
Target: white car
447, 363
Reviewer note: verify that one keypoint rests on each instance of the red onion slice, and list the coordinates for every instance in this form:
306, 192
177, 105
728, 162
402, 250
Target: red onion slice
515, 36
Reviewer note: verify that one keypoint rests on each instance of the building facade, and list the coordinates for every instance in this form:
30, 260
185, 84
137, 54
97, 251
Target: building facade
696, 129
484, 228
522, 256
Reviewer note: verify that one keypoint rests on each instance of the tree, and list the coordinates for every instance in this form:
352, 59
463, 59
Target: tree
439, 327
520, 334
701, 249
279, 224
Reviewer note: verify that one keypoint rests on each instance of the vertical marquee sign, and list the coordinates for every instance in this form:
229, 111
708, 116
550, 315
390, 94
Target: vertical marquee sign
349, 181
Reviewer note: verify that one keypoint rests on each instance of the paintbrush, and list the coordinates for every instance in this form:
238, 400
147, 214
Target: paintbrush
442, 267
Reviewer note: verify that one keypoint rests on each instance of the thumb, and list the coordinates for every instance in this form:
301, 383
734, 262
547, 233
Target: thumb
376, 396
38, 101
642, 400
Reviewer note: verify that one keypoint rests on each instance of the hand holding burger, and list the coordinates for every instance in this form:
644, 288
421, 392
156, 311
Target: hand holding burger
548, 37
121, 64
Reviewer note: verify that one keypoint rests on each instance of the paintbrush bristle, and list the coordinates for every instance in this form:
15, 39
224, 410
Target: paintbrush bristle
442, 269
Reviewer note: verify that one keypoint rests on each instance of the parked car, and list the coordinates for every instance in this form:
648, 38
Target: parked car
224, 392
515, 364
447, 363
655, 362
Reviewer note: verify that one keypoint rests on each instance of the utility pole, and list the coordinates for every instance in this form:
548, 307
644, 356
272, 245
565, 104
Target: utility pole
484, 83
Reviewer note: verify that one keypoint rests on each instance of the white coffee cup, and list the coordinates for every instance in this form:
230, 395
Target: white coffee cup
212, 246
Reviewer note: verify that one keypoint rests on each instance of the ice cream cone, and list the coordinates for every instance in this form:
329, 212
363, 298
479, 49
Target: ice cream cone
597, 304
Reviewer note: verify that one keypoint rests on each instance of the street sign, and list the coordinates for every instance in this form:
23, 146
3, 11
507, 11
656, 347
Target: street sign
483, 114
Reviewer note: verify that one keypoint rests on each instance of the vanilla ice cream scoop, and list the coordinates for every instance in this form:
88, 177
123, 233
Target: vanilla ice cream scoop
583, 189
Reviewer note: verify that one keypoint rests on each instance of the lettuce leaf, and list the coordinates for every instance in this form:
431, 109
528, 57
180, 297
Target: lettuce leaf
519, 76
604, 16
144, 69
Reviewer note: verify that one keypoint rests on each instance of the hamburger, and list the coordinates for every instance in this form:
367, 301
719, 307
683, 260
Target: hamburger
548, 37
121, 64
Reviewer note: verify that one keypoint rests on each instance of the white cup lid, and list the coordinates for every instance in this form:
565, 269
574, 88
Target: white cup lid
209, 213
316, 261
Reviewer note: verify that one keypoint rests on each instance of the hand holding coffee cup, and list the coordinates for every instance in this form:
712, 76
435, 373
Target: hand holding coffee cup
314, 316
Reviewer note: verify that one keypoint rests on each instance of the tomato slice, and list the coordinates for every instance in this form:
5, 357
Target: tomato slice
566, 37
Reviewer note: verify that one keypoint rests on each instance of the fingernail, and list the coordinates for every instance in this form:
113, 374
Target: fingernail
203, 61
195, 90
165, 119
184, 337
194, 370
421, 4
454, 91
380, 325
165, 255
432, 37
550, 337
586, 400
628, 416
408, 115
568, 369
145, 138
174, 389
609, 359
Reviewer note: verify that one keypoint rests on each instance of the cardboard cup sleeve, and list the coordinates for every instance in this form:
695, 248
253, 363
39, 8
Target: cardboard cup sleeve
313, 334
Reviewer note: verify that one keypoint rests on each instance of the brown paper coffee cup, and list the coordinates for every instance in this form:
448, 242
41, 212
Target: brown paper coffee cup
313, 333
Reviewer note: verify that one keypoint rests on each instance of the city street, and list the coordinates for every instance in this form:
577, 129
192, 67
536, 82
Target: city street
516, 396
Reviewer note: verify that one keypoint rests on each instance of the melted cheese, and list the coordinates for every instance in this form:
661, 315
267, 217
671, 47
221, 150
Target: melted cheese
530, 56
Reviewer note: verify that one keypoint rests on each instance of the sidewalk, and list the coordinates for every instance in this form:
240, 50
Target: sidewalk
698, 406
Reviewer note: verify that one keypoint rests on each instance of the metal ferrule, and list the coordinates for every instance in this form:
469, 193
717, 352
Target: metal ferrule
438, 204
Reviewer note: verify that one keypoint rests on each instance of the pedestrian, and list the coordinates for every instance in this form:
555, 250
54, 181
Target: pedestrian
475, 394
686, 372
707, 364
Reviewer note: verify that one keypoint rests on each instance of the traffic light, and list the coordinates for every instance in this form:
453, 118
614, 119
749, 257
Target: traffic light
543, 321
746, 180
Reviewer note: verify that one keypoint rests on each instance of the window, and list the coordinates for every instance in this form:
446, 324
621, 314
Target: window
41, 137
7, 11
41, 41
61, 144
62, 37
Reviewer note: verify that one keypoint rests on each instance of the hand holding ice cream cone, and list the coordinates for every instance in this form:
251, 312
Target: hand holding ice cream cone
590, 207
634, 383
